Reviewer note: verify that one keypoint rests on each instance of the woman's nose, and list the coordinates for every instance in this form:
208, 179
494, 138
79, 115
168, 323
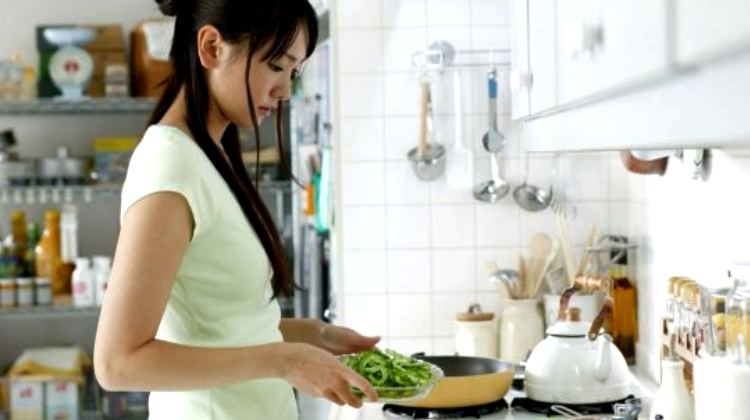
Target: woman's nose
282, 91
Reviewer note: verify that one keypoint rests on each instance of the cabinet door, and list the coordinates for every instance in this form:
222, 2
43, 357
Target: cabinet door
710, 28
608, 43
520, 80
542, 58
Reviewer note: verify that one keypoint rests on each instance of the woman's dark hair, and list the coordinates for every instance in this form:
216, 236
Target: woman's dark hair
272, 23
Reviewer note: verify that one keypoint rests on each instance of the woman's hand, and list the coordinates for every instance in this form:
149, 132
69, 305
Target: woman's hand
342, 340
317, 373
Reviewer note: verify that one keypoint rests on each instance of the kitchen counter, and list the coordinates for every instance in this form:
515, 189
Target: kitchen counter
318, 409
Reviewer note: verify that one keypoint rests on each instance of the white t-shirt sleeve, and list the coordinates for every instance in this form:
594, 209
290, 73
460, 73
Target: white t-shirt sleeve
167, 161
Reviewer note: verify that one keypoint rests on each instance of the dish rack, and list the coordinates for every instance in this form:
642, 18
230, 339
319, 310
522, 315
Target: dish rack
687, 347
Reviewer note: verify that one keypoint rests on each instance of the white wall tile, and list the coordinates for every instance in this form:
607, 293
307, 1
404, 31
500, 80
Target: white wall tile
447, 12
588, 179
490, 302
359, 14
497, 225
400, 44
402, 186
411, 345
453, 226
366, 314
361, 95
589, 214
362, 139
403, 13
539, 222
400, 136
402, 95
364, 272
444, 346
409, 315
409, 271
408, 227
619, 183
364, 227
490, 12
360, 50
490, 37
363, 183
454, 270
458, 36
441, 193
449, 305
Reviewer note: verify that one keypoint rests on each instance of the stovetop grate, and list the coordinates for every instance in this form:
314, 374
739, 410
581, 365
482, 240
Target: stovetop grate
545, 408
475, 411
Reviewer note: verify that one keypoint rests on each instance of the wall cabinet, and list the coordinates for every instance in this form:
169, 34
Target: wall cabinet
706, 29
613, 74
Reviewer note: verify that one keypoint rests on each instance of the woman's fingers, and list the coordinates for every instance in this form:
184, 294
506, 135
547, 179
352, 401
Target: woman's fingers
358, 381
333, 397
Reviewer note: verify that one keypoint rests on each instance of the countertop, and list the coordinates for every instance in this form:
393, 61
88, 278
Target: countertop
319, 409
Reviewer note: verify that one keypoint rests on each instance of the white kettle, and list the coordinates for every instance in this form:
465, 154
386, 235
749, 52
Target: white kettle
575, 364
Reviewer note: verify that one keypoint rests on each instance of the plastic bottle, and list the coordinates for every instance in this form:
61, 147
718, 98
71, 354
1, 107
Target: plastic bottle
673, 400
102, 268
83, 283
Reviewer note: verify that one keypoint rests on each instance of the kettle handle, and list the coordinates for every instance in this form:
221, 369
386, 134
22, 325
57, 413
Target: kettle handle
600, 318
565, 300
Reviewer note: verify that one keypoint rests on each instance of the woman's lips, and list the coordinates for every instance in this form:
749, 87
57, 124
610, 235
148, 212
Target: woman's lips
265, 112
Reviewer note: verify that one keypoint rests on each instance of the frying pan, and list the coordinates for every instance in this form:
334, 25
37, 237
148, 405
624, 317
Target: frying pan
468, 381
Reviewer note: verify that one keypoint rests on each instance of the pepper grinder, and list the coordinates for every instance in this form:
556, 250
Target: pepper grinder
673, 400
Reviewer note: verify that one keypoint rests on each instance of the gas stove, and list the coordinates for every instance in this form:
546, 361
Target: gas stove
522, 409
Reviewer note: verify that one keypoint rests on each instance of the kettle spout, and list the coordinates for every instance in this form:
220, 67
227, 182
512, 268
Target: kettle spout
602, 362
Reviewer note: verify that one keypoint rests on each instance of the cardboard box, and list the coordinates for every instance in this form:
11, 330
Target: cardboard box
62, 400
112, 156
26, 399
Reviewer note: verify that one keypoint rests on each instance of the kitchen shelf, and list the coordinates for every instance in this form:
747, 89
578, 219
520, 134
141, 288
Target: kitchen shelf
55, 194
84, 106
53, 311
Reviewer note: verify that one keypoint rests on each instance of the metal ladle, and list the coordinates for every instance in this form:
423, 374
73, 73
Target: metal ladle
530, 197
493, 141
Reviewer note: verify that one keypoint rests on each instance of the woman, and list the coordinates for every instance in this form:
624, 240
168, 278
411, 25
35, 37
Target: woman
191, 303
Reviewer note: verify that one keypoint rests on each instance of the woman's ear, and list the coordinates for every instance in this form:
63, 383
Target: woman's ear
210, 46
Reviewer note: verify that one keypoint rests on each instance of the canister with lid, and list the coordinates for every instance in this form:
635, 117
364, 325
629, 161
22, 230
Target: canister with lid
42, 291
476, 333
738, 312
7, 293
24, 292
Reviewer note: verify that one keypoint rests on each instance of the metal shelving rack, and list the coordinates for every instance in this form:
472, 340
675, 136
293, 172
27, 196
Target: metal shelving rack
57, 194
84, 106
50, 311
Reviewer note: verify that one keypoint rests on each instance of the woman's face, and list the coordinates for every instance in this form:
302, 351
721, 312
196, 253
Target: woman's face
270, 81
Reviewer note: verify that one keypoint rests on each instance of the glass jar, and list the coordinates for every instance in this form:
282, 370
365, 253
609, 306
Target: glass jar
684, 310
43, 291
24, 292
738, 312
672, 307
7, 293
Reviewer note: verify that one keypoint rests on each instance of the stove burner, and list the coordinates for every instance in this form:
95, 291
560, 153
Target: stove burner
474, 411
540, 407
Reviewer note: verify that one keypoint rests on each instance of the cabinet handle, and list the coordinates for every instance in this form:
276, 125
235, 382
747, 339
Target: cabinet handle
587, 39
520, 80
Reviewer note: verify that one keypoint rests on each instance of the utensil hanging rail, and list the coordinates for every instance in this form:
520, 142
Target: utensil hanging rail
441, 55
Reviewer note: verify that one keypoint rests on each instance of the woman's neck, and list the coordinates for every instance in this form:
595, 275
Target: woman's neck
176, 116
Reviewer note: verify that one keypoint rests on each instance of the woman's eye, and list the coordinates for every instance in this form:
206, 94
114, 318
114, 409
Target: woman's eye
295, 74
274, 67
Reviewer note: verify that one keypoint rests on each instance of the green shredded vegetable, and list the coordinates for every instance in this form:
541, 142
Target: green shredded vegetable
393, 375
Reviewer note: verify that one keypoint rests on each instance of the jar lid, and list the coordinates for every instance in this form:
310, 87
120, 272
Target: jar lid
23, 281
42, 280
474, 313
7, 282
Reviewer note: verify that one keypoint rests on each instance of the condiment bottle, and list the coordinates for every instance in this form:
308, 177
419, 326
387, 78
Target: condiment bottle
48, 262
672, 400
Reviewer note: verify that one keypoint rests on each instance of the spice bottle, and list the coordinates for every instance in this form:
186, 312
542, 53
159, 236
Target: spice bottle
48, 261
